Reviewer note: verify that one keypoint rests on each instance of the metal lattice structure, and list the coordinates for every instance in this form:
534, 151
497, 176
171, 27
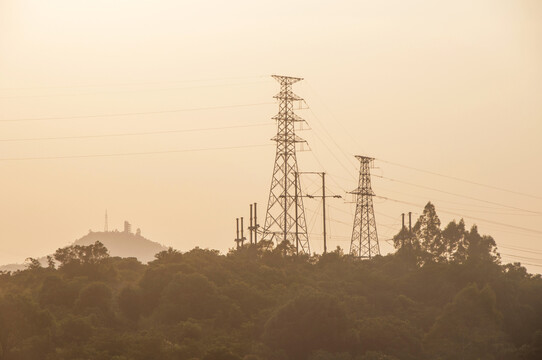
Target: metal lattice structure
364, 242
285, 219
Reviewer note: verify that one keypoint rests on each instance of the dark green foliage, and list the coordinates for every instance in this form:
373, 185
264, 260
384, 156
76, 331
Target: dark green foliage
129, 301
308, 323
443, 295
25, 330
96, 295
185, 296
75, 330
220, 354
55, 291
81, 255
428, 243
390, 335
469, 327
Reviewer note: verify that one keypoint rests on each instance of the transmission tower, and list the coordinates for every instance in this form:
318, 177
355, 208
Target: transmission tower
364, 236
285, 219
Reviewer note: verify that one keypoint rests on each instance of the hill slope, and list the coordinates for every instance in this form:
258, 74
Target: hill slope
124, 244
119, 243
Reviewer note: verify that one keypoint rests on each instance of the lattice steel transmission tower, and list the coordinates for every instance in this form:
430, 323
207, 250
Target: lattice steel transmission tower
364, 242
285, 219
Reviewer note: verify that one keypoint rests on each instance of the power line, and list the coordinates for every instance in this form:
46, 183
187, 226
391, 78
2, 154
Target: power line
136, 84
439, 200
132, 153
458, 195
531, 264
476, 211
134, 113
323, 168
460, 179
349, 133
521, 257
334, 142
128, 91
468, 217
135, 133
530, 251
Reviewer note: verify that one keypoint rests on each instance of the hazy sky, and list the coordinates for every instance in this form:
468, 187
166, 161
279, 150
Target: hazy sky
452, 87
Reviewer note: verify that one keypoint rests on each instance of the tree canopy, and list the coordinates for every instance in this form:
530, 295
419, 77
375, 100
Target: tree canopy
443, 295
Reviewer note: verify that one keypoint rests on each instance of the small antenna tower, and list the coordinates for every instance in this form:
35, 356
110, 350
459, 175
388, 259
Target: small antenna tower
364, 242
106, 226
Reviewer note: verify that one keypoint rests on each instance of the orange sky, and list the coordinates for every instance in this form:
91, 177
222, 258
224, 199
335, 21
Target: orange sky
452, 87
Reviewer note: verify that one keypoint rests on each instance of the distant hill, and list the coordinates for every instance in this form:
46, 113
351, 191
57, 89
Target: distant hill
124, 244
119, 243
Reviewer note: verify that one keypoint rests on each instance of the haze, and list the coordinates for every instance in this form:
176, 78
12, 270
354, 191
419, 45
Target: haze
451, 87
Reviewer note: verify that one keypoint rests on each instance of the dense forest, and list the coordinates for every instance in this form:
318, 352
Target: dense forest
444, 294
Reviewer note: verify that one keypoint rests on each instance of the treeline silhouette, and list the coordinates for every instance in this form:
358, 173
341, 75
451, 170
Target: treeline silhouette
443, 295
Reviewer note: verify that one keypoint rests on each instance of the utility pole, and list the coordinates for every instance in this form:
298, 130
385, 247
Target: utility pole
364, 242
296, 175
285, 218
324, 210
323, 196
243, 238
256, 225
403, 231
250, 228
253, 226
239, 240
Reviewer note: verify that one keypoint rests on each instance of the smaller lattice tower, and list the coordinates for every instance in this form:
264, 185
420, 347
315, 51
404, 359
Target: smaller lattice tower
364, 242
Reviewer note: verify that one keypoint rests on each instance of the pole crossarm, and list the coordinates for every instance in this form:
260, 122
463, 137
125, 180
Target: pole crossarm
323, 197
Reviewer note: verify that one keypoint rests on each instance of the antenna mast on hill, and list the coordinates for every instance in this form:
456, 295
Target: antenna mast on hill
364, 242
106, 227
285, 212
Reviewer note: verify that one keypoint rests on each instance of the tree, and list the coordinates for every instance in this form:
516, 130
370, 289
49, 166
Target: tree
33, 264
188, 296
402, 238
220, 353
308, 323
129, 301
455, 240
75, 330
81, 260
468, 328
168, 256
25, 330
391, 336
533, 351
285, 249
481, 248
428, 234
82, 255
96, 295
50, 262
55, 291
